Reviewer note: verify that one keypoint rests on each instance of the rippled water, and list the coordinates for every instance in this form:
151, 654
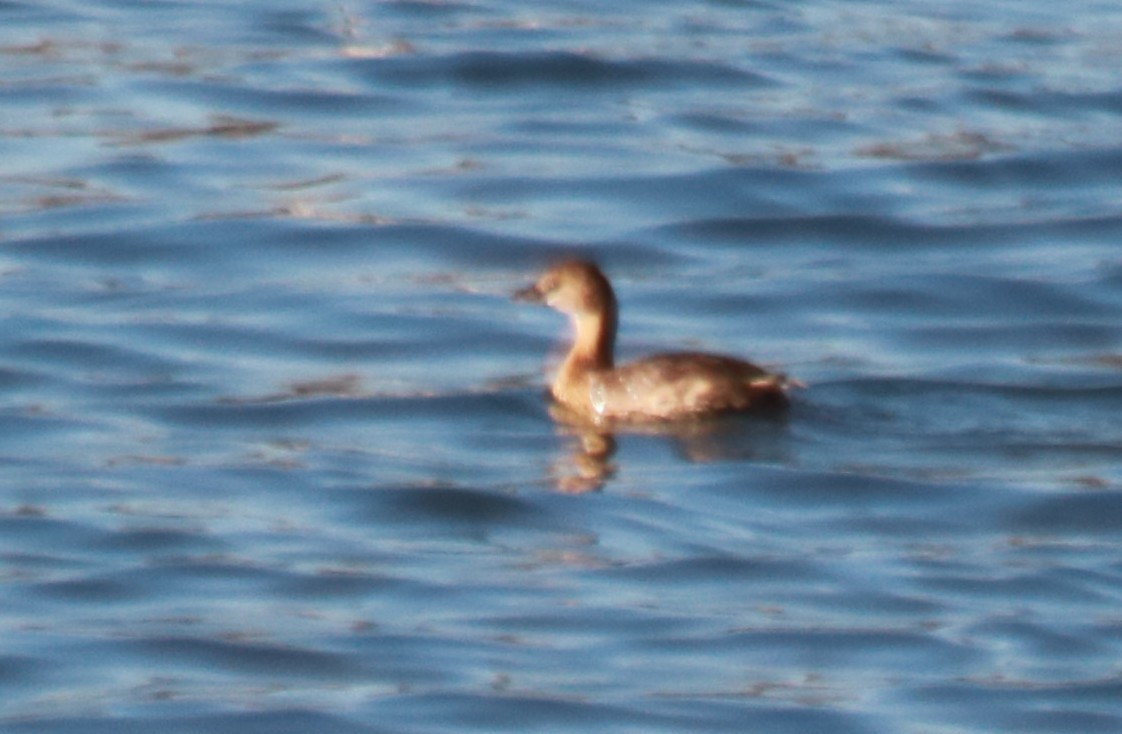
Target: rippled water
275, 453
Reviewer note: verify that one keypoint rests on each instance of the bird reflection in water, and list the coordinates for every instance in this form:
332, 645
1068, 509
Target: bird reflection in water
587, 464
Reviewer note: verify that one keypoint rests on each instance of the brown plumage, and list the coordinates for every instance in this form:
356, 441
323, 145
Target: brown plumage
675, 386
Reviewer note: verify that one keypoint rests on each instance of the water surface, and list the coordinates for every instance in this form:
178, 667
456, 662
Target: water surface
275, 452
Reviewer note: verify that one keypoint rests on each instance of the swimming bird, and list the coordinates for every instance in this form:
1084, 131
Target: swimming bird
663, 387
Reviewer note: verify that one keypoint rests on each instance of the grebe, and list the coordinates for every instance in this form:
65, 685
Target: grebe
663, 387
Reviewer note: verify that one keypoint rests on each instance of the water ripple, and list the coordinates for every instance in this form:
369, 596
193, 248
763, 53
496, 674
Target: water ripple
483, 70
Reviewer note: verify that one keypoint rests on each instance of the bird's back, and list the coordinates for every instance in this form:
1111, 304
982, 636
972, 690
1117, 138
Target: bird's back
683, 385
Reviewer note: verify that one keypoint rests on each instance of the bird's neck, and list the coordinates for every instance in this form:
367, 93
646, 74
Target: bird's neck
594, 343
591, 353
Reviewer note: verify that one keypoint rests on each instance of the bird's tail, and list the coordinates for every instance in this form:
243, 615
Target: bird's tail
776, 380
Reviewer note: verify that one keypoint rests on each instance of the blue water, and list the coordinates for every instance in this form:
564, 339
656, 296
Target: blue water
274, 453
